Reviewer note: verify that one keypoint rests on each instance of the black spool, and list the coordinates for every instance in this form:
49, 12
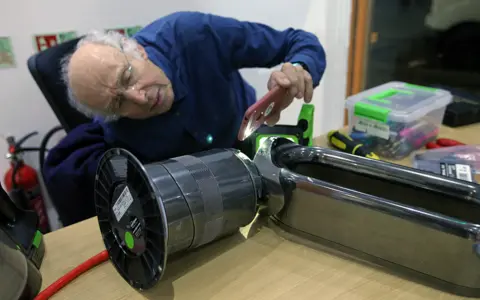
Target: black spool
148, 212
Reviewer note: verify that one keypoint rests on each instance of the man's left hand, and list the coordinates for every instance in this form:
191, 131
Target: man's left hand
298, 84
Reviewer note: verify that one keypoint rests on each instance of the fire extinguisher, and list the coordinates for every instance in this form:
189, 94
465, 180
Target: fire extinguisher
22, 182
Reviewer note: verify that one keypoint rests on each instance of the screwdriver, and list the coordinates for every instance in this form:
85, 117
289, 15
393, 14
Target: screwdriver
347, 144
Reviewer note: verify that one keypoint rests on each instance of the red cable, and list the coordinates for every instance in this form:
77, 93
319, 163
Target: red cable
70, 276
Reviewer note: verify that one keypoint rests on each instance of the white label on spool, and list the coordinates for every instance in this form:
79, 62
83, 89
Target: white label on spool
122, 204
373, 127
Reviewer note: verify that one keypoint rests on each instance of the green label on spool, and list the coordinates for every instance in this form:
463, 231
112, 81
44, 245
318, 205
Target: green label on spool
371, 112
129, 240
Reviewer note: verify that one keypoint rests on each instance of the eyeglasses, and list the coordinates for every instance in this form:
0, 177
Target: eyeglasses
122, 84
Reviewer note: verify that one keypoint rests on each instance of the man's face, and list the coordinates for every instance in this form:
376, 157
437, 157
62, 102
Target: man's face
106, 79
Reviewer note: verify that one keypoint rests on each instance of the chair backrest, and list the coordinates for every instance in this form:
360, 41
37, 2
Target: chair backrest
46, 71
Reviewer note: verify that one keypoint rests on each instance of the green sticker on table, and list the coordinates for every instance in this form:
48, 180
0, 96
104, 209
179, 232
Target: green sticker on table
129, 240
7, 59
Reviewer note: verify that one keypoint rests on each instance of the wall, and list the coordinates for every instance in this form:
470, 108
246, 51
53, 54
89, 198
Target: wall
24, 108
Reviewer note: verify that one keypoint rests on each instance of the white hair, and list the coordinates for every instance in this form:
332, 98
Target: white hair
110, 38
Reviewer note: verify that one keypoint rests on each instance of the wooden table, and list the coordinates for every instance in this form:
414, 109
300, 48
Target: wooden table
256, 263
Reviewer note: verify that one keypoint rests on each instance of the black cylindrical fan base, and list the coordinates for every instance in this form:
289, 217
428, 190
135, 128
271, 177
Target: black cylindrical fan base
148, 212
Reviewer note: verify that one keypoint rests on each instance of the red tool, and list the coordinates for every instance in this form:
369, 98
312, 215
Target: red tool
256, 114
443, 143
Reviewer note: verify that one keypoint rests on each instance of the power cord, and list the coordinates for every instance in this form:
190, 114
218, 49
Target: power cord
70, 276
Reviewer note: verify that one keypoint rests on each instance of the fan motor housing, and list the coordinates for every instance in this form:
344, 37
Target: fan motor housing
148, 212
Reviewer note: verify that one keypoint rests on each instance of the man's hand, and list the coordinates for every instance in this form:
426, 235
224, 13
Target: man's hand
298, 84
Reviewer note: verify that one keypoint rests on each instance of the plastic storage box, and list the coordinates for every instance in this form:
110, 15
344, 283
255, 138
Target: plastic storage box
396, 118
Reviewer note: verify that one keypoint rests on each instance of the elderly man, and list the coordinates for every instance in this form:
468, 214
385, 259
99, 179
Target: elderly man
174, 89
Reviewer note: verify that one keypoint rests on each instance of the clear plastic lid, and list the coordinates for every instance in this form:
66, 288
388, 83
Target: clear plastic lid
398, 102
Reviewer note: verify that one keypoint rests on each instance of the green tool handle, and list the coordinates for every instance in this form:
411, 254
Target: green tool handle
347, 144
306, 116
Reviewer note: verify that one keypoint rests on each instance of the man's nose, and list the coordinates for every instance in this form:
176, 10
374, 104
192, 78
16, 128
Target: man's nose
137, 96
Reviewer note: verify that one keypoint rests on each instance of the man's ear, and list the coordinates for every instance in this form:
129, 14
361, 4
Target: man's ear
142, 51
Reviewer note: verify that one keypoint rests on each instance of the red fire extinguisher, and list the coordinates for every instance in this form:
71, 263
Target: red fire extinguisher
21, 181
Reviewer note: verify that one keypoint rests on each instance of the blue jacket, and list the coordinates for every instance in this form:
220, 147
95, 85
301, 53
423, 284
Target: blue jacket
201, 54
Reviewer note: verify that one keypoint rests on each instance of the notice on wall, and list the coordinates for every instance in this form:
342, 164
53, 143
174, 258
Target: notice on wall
7, 59
126, 31
132, 30
45, 41
119, 30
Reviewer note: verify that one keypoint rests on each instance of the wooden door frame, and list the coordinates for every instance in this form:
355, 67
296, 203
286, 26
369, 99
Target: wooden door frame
357, 53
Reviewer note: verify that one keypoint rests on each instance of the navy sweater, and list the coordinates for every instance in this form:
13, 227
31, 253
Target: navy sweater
201, 54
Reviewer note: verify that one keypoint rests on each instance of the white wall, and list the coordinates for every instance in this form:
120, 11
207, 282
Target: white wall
23, 108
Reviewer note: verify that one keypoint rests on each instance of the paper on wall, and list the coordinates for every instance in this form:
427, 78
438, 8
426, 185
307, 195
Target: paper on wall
7, 58
126, 31
45, 41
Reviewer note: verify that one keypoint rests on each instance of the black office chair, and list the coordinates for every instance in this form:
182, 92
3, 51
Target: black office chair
45, 69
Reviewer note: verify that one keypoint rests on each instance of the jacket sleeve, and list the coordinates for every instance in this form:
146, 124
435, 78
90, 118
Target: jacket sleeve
69, 172
237, 44
254, 45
